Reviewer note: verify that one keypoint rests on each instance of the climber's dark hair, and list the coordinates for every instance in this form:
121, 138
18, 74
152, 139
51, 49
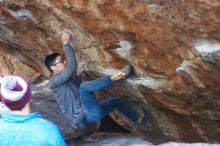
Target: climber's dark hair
50, 60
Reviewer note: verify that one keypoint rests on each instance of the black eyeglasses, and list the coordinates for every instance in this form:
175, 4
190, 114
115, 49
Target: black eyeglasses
61, 61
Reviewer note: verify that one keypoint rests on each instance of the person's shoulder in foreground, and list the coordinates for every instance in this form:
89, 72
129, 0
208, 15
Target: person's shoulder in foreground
18, 126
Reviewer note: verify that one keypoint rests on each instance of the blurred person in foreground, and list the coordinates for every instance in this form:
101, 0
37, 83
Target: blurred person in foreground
18, 125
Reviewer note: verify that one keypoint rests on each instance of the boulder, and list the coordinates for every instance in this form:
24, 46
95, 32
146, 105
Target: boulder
173, 46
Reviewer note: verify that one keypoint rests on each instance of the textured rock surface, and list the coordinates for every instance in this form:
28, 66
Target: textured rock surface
173, 45
120, 139
112, 139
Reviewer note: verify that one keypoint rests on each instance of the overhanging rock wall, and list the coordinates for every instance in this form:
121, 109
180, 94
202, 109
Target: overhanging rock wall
173, 45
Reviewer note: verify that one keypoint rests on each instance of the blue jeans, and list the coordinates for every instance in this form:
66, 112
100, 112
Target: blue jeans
94, 110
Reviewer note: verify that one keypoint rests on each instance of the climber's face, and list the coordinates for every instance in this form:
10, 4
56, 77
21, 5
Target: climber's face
59, 64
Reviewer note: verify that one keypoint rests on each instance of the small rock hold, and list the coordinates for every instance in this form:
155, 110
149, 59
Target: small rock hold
67, 5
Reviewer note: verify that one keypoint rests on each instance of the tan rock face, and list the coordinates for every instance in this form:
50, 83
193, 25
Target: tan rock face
174, 47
